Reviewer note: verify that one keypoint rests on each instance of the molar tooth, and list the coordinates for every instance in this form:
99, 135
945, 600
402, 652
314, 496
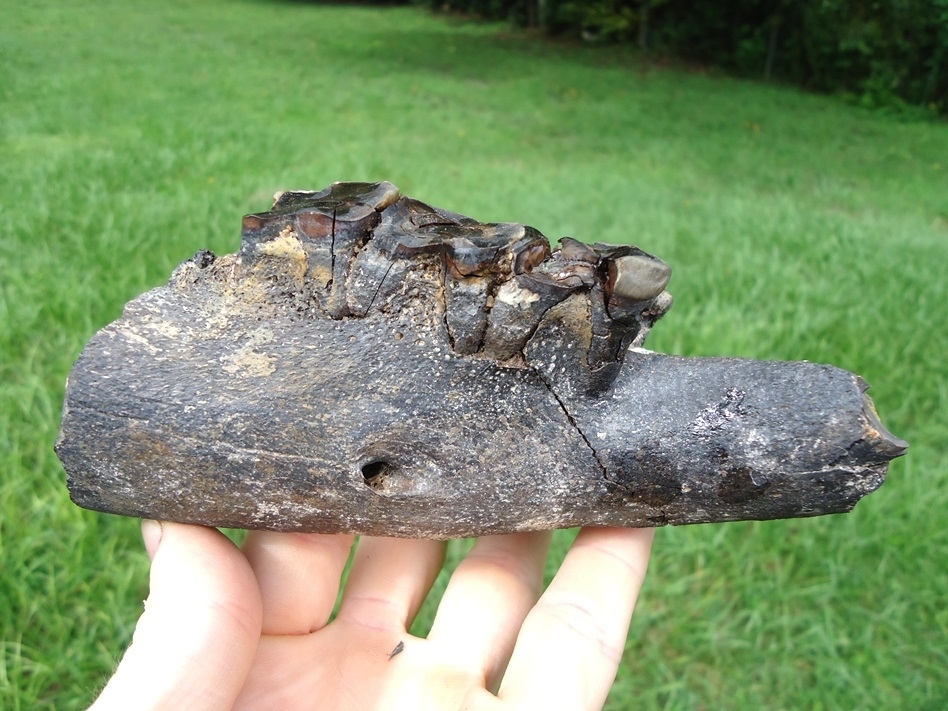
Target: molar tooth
638, 277
574, 250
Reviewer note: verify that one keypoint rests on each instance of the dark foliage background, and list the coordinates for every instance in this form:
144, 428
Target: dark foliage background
889, 53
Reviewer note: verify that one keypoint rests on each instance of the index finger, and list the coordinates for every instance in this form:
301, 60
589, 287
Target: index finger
571, 643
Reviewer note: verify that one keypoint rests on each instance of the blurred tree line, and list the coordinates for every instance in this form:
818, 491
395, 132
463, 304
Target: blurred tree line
884, 52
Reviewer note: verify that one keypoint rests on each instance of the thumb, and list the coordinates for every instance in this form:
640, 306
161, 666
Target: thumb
195, 642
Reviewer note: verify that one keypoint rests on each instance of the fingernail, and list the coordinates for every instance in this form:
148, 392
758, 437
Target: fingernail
151, 534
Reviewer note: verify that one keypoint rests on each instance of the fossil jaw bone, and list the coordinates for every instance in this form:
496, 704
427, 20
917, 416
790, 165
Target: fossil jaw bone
371, 364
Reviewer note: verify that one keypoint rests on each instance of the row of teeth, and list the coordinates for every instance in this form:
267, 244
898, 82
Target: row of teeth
500, 279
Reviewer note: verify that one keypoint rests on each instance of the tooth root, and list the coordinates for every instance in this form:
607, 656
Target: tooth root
518, 307
466, 312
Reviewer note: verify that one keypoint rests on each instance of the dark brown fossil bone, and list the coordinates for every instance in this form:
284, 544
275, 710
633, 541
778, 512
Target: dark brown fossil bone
368, 363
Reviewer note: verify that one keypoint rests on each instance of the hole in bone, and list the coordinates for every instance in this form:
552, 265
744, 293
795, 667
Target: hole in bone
376, 473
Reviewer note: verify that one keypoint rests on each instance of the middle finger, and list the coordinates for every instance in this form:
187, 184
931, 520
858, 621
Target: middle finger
487, 599
298, 575
388, 581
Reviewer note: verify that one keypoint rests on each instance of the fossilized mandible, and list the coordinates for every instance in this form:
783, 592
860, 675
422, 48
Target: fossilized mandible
368, 363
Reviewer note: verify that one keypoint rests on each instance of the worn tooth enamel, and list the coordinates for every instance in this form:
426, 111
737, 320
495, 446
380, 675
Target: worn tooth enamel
638, 277
574, 250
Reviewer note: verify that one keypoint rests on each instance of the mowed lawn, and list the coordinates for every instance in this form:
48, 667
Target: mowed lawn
798, 227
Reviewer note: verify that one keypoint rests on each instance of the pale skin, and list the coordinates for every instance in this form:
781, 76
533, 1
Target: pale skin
231, 628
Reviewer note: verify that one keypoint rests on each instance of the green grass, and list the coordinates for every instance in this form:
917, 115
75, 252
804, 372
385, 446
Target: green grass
133, 134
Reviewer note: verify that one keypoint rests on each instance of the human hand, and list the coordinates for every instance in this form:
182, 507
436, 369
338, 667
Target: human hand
226, 628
